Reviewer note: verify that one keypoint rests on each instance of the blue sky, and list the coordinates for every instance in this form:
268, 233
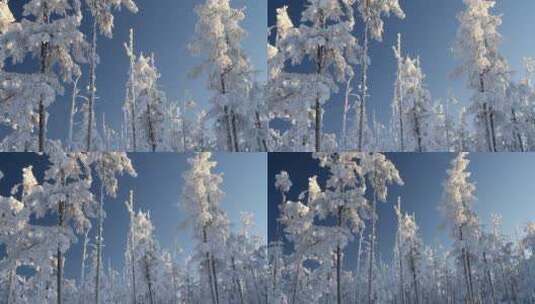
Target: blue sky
157, 189
163, 27
504, 183
429, 31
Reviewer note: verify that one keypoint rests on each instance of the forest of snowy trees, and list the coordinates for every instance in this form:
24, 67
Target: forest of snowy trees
225, 266
309, 258
286, 112
49, 39
327, 40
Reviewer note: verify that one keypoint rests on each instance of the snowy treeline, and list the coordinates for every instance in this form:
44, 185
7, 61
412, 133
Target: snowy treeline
48, 36
225, 266
498, 116
311, 261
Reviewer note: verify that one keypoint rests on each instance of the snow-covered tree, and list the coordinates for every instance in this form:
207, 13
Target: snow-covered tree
411, 108
463, 224
324, 37
201, 197
371, 12
103, 22
48, 32
487, 71
150, 117
219, 38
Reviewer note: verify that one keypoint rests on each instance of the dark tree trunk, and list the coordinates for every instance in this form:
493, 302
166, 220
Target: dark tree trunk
44, 69
59, 274
92, 84
339, 263
209, 269
235, 131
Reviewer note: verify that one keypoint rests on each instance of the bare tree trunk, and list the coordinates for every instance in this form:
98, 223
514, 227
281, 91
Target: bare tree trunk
489, 278
10, 285
372, 250
214, 274
255, 284
339, 263
357, 273
400, 110
235, 131
99, 244
72, 110
317, 109
152, 135
487, 127
133, 122
418, 131
132, 90
149, 279
228, 124
188, 289
44, 69
517, 132
470, 273
489, 121
262, 144
209, 268
401, 283
175, 283
513, 289
493, 129
364, 83
317, 106
296, 282
346, 110
92, 79
132, 244
414, 279
82, 274
237, 281
59, 274
466, 270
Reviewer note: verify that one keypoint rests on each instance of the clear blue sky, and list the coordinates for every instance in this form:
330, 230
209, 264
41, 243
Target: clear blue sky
157, 189
164, 27
504, 183
428, 31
